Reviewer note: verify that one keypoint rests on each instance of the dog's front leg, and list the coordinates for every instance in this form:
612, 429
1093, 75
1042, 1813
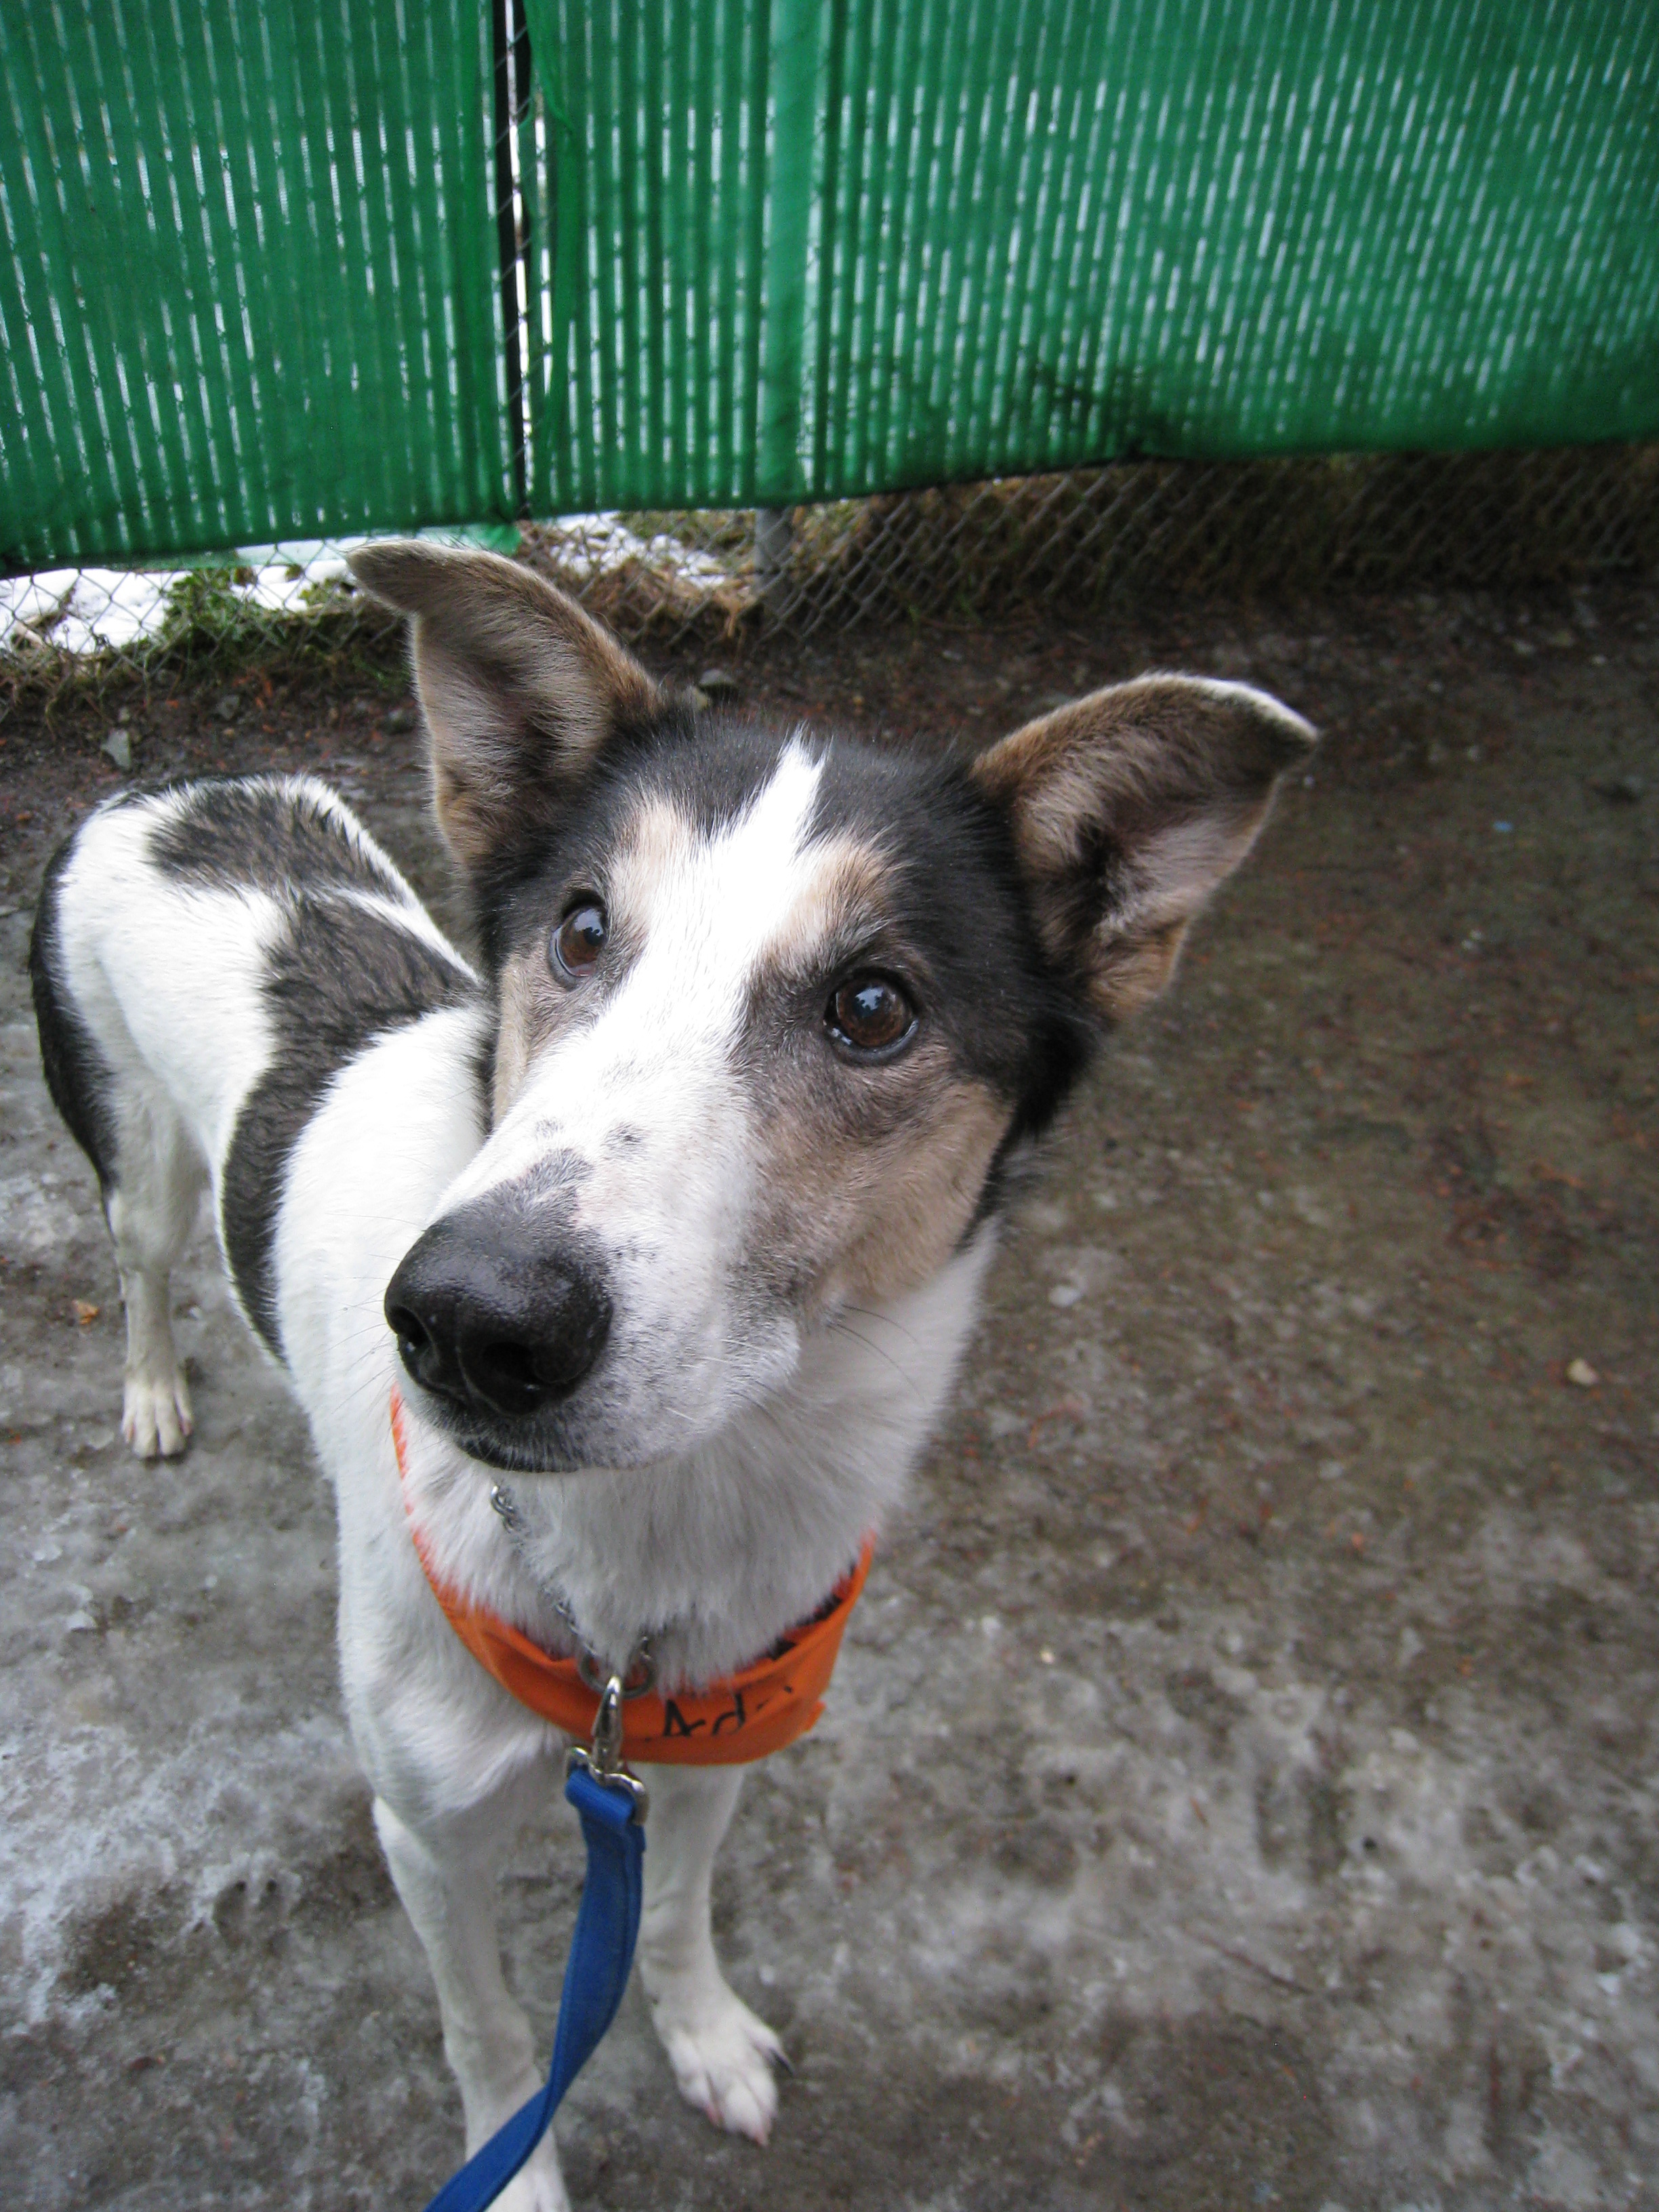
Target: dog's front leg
721, 2054
486, 2039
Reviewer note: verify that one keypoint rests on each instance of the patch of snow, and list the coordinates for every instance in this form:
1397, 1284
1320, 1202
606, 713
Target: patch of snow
588, 546
101, 610
85, 610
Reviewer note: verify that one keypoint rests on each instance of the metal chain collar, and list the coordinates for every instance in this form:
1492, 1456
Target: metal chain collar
637, 1677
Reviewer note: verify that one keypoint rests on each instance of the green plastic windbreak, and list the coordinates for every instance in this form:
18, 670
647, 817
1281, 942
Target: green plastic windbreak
249, 289
803, 249
782, 250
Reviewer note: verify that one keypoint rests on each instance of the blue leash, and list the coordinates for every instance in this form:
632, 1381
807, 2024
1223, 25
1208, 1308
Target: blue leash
611, 1806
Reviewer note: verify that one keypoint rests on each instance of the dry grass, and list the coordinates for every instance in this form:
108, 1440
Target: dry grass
209, 625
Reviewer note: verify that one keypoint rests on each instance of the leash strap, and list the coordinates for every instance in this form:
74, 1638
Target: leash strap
595, 1976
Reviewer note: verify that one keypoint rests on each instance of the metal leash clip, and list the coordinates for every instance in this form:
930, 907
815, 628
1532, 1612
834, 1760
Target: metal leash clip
603, 1758
639, 1677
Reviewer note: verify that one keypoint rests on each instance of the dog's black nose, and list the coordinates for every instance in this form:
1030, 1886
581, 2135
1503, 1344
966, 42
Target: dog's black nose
492, 1316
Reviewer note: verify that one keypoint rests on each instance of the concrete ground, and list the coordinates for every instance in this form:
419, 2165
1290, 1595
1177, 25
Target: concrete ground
1240, 1786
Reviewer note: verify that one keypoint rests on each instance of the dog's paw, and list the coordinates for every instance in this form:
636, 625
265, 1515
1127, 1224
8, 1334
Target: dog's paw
721, 2055
155, 1416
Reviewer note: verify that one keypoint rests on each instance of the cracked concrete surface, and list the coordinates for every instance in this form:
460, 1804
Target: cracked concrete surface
1239, 1787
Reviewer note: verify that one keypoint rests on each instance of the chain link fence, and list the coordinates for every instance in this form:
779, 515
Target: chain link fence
1072, 544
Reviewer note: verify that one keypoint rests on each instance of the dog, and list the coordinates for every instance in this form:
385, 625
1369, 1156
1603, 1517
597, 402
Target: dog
673, 1210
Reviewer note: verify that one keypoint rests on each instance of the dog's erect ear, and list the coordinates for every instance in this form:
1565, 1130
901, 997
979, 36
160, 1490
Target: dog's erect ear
521, 689
1127, 809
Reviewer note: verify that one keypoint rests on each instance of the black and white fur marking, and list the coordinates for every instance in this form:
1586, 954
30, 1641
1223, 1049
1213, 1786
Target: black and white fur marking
680, 1210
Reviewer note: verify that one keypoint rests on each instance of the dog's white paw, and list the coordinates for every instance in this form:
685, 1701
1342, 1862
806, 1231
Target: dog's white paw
155, 1416
721, 2054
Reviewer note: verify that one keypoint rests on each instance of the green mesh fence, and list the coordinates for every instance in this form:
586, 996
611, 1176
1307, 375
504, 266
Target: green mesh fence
812, 248
249, 289
269, 275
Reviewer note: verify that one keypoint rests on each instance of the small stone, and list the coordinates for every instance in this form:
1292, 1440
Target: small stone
1065, 1294
1619, 790
119, 746
227, 706
399, 719
700, 699
717, 680
1581, 1372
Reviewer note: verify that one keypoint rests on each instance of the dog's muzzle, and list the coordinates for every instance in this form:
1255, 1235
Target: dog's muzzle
498, 1319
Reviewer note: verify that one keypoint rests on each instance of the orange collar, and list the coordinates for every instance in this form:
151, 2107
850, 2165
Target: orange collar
754, 1711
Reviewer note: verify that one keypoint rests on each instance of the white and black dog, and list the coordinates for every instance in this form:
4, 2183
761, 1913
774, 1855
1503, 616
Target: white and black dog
679, 1210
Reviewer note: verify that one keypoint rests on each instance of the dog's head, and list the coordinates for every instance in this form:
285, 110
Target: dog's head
773, 1009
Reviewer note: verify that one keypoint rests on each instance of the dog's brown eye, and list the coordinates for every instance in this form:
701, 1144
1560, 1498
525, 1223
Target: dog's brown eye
870, 1016
578, 939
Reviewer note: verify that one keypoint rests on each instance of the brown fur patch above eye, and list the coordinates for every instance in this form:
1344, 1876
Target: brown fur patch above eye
841, 894
657, 841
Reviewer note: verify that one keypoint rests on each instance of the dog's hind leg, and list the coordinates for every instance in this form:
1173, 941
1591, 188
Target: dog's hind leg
152, 1205
450, 1896
150, 1170
721, 2054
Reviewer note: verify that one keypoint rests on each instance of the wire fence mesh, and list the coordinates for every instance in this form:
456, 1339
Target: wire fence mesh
1075, 542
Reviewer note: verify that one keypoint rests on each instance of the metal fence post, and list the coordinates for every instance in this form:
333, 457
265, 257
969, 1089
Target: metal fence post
775, 532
